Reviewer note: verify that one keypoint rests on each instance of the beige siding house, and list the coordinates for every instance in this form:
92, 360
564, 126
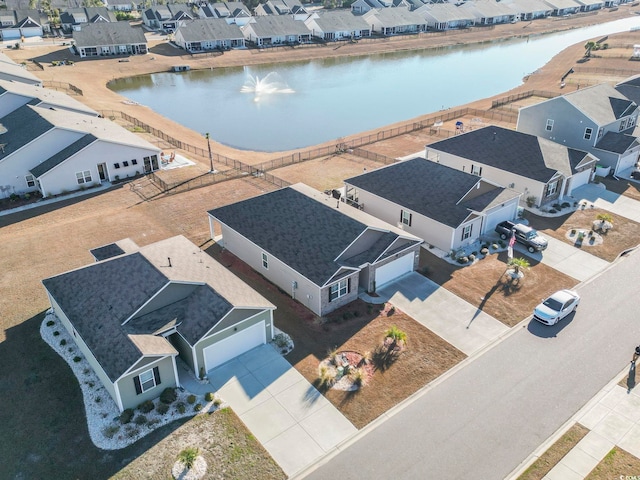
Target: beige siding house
543, 171
136, 310
443, 206
318, 250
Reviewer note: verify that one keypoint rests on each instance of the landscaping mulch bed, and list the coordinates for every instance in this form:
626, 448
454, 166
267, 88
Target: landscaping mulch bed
624, 235
484, 285
357, 327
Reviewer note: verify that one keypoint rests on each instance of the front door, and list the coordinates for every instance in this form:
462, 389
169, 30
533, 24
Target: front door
102, 171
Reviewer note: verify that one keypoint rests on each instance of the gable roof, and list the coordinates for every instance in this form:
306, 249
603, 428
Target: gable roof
433, 190
62, 155
305, 233
23, 126
616, 142
630, 88
339, 20
103, 34
10, 70
100, 297
601, 103
44, 95
273, 25
516, 152
209, 29
395, 17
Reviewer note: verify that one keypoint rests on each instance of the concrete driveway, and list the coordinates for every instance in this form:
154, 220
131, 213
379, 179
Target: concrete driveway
292, 420
598, 195
451, 318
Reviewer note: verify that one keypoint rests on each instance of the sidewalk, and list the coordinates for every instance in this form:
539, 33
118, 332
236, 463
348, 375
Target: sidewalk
613, 418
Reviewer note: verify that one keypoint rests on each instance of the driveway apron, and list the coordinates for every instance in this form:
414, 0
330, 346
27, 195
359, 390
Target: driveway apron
600, 197
458, 322
292, 420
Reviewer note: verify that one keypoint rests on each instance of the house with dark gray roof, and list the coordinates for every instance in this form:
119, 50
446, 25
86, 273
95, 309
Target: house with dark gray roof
12, 72
166, 17
232, 12
74, 18
106, 39
54, 150
273, 30
630, 88
17, 24
541, 170
292, 8
446, 207
319, 250
598, 119
359, 7
137, 309
206, 34
335, 25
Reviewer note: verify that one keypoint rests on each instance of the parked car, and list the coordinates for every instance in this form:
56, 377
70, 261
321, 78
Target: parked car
524, 234
556, 307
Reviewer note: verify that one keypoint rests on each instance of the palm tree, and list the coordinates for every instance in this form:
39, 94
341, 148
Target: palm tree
588, 47
518, 265
397, 336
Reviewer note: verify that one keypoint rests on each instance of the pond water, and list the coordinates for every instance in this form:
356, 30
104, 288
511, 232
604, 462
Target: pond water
286, 106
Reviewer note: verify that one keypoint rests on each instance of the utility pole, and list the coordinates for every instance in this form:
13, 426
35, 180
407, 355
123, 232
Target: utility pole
210, 156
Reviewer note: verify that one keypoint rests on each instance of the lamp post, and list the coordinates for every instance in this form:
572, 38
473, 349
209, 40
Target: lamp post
210, 156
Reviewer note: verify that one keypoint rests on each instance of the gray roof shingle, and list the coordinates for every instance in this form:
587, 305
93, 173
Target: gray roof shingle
204, 29
62, 155
616, 142
117, 33
275, 25
601, 103
23, 126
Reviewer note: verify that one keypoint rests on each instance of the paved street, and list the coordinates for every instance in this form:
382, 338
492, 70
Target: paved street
488, 416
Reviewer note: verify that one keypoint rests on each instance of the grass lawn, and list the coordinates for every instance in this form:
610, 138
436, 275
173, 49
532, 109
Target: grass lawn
356, 327
617, 464
483, 284
623, 236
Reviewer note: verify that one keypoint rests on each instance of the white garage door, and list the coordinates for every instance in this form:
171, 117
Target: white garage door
626, 162
235, 345
393, 270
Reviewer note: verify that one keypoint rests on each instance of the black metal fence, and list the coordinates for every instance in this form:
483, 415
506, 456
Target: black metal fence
530, 93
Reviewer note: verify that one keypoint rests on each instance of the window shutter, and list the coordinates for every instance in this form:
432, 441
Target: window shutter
401, 216
329, 292
462, 236
348, 285
156, 375
136, 382
410, 217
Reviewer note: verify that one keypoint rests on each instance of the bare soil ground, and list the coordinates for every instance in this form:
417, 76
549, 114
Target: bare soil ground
554, 454
44, 433
617, 464
356, 327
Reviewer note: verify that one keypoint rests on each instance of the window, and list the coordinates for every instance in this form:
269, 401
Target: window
31, 181
83, 177
623, 125
405, 217
600, 133
116, 165
147, 380
475, 170
125, 164
632, 122
466, 231
587, 133
339, 289
549, 126
265, 261
134, 162
552, 188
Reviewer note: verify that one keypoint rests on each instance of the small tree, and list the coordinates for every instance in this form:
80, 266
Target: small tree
397, 336
605, 222
530, 201
518, 265
588, 47
188, 456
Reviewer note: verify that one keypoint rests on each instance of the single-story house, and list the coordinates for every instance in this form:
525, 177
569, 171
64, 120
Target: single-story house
12, 72
395, 21
272, 30
446, 207
488, 12
55, 151
166, 17
17, 24
136, 309
232, 12
337, 25
318, 249
445, 16
74, 18
526, 10
14, 95
563, 7
104, 39
598, 119
541, 170
590, 5
208, 34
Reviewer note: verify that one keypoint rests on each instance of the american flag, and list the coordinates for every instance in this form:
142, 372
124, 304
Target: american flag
512, 240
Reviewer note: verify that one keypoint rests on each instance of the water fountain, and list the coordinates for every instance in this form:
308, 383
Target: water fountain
270, 84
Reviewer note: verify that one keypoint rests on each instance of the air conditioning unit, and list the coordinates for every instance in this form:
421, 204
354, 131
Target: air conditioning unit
294, 285
511, 185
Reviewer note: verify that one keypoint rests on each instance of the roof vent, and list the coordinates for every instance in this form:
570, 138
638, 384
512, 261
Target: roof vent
3, 129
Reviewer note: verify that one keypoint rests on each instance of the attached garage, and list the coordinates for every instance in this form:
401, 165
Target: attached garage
393, 270
627, 162
237, 344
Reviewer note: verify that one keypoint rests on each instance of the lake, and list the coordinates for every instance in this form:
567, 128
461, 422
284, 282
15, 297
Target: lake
286, 106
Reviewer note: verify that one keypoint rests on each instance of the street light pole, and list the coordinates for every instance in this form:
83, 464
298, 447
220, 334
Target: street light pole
210, 156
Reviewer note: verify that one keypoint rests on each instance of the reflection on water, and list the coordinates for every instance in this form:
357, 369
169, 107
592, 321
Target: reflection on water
247, 108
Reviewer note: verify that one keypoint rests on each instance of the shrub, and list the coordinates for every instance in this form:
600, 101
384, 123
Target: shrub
356, 313
359, 376
77, 358
565, 204
181, 407
132, 432
573, 231
217, 402
494, 246
188, 456
484, 251
98, 399
126, 416
162, 408
463, 260
50, 323
197, 407
347, 316
530, 201
152, 423
63, 342
557, 206
471, 257
110, 430
168, 396
56, 333
146, 406
281, 340
208, 396
552, 210
501, 243
141, 420
191, 399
